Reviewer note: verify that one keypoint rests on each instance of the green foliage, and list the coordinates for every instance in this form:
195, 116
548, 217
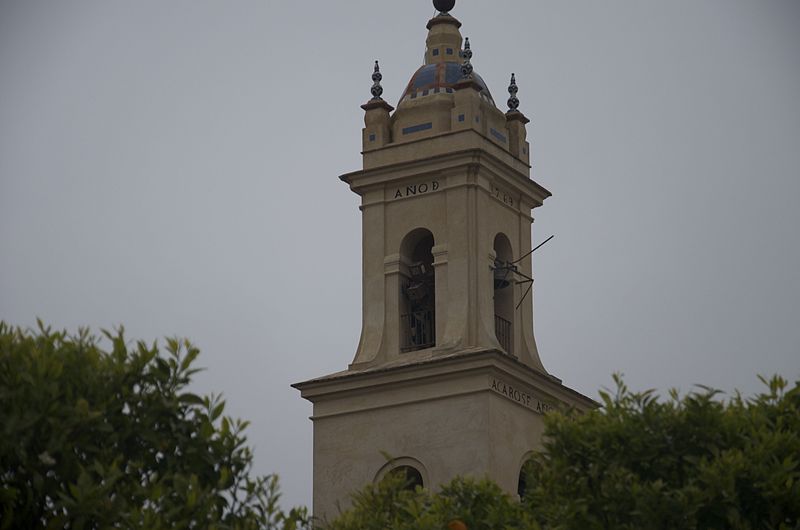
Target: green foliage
96, 439
93, 438
691, 462
479, 505
638, 462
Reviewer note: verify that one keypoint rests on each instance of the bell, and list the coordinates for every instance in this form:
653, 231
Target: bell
416, 290
418, 269
503, 274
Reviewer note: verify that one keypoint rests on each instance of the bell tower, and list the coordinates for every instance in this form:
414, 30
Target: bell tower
447, 379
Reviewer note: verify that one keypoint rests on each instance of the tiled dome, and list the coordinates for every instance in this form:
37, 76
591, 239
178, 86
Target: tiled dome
437, 78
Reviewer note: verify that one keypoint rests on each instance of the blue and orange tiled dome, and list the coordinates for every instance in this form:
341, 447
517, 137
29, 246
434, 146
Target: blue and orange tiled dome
437, 78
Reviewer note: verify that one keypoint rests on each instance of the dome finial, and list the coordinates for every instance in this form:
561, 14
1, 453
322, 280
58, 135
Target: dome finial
444, 6
513, 101
466, 68
377, 89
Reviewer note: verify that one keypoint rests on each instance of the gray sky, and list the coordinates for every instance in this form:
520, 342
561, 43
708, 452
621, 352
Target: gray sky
172, 166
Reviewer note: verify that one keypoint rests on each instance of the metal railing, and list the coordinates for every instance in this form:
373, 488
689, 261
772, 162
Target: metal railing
418, 330
502, 329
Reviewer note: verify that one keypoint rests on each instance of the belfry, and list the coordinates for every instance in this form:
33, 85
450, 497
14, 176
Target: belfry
446, 380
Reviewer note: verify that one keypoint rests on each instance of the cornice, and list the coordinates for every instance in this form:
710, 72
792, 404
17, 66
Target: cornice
442, 367
364, 180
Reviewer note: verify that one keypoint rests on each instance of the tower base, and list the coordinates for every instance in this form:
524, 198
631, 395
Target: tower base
473, 413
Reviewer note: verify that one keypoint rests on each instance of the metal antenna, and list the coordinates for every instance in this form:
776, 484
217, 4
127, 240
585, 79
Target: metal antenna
528, 290
540, 245
528, 280
510, 268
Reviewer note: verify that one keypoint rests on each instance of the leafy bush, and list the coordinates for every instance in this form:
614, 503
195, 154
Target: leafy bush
112, 439
462, 504
691, 462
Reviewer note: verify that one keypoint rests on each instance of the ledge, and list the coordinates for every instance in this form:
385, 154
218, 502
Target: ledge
439, 367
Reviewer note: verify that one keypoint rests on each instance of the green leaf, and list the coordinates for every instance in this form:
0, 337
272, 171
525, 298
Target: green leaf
191, 399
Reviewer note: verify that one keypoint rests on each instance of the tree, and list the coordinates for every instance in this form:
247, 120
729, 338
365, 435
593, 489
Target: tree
460, 505
94, 439
112, 439
690, 462
638, 462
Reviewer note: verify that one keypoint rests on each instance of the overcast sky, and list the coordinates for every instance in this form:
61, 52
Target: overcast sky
171, 165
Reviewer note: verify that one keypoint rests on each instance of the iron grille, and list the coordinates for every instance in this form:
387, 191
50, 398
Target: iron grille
419, 331
502, 329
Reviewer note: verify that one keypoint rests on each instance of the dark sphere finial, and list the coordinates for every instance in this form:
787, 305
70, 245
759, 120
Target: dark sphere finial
444, 5
513, 101
466, 54
377, 89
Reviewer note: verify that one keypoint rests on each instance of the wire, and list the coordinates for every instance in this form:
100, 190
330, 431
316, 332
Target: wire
532, 251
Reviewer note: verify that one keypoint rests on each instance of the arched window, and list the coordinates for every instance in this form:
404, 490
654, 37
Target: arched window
503, 293
522, 482
409, 470
417, 292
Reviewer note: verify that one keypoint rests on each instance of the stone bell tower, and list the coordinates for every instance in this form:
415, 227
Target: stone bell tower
447, 379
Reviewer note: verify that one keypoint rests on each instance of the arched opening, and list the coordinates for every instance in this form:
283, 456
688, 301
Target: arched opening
409, 471
523, 480
417, 292
503, 292
522, 483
